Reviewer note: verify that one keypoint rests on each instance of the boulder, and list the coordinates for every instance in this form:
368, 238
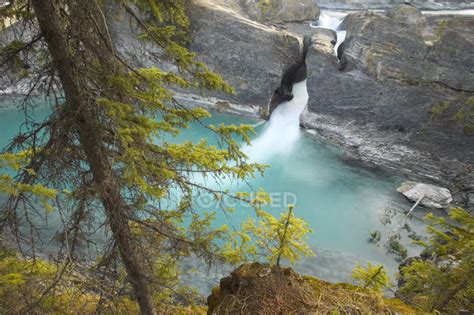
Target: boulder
434, 196
412, 16
324, 40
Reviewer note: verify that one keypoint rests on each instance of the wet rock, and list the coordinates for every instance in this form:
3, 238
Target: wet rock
324, 40
434, 196
449, 263
395, 247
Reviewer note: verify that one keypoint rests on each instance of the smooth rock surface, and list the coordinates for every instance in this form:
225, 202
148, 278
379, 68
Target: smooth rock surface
295, 10
277, 11
434, 196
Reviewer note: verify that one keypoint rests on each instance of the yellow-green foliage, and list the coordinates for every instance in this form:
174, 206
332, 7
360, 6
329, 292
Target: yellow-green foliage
23, 282
465, 116
17, 10
446, 281
134, 117
372, 277
14, 162
270, 238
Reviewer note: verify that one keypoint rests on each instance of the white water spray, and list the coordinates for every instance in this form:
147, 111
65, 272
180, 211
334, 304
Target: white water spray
332, 21
283, 129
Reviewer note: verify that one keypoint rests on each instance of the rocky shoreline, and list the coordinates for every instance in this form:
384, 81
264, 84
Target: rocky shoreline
400, 65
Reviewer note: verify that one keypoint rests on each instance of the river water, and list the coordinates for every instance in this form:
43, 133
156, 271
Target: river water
341, 201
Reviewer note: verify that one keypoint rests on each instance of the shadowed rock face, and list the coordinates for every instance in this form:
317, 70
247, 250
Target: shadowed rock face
249, 56
293, 74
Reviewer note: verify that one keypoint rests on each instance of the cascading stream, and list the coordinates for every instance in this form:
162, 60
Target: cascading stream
283, 129
332, 21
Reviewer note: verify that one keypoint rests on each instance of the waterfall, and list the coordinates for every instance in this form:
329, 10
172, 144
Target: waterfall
332, 21
283, 129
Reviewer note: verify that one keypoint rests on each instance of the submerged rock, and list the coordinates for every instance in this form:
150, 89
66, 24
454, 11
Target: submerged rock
434, 196
375, 236
394, 246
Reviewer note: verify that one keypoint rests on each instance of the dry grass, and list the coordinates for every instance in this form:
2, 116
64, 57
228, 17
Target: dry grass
260, 289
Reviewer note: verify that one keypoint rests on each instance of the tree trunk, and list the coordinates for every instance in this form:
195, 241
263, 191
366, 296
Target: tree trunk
82, 106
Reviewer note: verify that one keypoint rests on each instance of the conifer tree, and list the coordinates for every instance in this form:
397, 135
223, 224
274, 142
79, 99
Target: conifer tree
269, 237
101, 159
373, 277
444, 280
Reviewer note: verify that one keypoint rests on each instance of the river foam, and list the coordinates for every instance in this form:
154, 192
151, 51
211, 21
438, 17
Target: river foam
283, 129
